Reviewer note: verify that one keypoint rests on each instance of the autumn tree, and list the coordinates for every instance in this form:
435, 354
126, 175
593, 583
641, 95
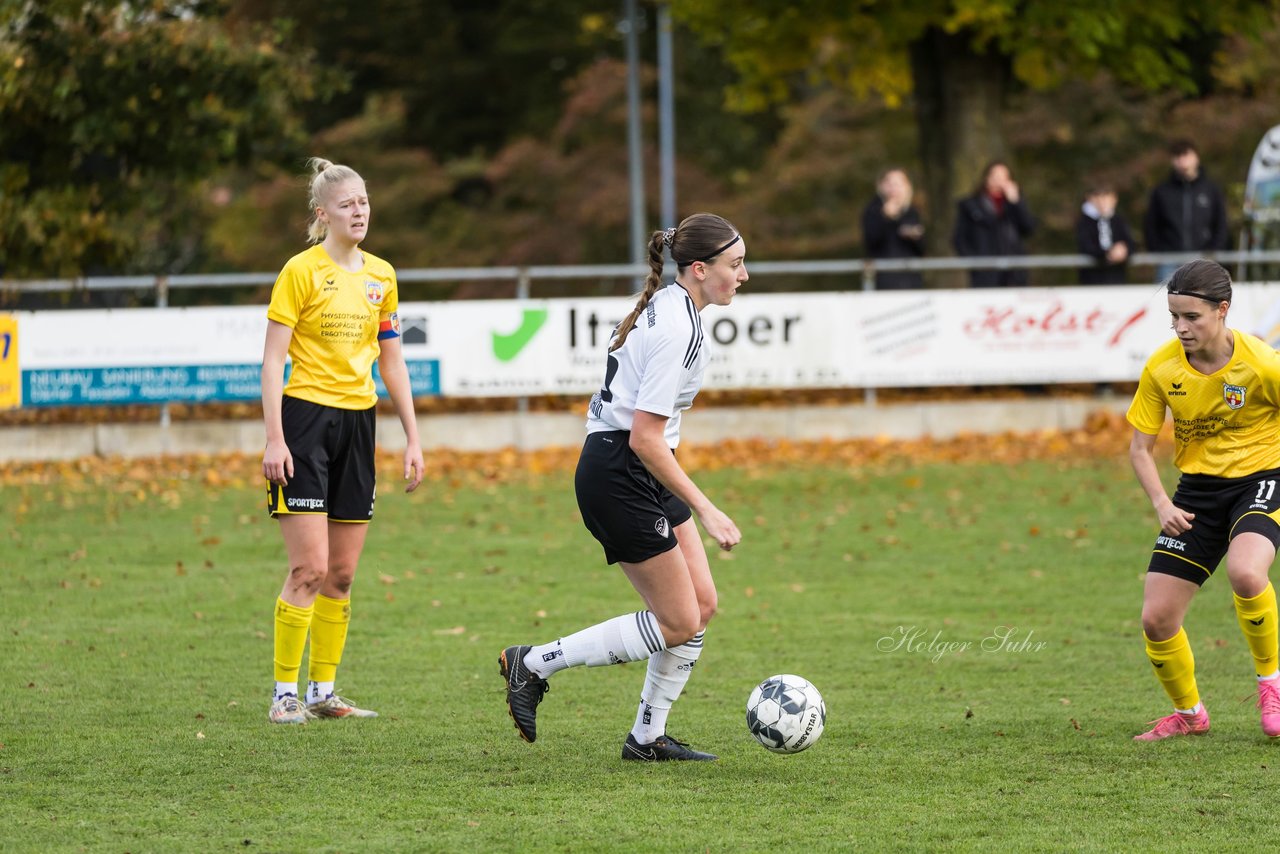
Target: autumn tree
112, 111
956, 60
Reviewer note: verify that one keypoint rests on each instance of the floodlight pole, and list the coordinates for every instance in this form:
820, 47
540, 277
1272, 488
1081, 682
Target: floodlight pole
635, 150
666, 118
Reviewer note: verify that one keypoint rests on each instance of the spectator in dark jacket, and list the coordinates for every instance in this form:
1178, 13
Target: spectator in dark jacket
1104, 234
1186, 212
993, 221
891, 228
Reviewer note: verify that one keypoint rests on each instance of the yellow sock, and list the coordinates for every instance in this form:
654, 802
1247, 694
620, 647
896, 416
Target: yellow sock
1175, 667
292, 623
1258, 618
328, 637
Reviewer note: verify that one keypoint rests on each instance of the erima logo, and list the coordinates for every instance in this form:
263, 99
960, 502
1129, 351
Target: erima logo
1177, 385
1258, 621
329, 285
1157, 664
507, 347
1171, 543
309, 503
662, 527
1176, 392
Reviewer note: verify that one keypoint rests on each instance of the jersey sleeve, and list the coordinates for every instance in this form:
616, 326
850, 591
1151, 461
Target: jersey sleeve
389, 318
287, 295
661, 371
1146, 413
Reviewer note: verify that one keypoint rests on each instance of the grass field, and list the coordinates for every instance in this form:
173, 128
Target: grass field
136, 663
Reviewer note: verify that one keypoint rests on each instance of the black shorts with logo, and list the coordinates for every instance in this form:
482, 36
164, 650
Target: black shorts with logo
624, 506
333, 463
1223, 508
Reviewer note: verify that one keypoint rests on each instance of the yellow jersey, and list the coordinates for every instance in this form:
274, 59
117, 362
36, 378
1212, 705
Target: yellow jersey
1225, 424
337, 318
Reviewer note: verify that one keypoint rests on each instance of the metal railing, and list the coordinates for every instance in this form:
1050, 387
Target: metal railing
524, 277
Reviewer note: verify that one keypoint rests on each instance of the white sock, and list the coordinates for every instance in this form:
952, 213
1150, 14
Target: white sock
631, 637
651, 722
1192, 711
1275, 675
665, 679
283, 688
317, 691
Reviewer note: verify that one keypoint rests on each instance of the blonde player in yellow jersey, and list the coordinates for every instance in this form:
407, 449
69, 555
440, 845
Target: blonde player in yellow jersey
333, 312
1222, 387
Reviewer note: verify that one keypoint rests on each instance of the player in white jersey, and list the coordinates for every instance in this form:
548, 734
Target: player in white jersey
637, 500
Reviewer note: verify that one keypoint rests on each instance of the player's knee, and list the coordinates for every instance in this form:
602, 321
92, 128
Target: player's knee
1159, 625
706, 610
680, 627
307, 576
1247, 580
341, 579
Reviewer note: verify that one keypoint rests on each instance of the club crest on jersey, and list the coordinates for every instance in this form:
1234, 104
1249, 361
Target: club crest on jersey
662, 527
373, 291
1233, 395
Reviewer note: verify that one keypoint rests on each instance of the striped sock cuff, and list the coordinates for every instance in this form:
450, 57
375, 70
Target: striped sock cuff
650, 632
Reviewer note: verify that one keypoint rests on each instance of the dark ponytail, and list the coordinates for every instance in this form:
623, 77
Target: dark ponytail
699, 237
657, 241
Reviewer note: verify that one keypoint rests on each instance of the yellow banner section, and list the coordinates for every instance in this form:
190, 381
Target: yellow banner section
10, 376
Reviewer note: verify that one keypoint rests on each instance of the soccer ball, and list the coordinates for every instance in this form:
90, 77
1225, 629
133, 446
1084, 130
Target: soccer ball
786, 714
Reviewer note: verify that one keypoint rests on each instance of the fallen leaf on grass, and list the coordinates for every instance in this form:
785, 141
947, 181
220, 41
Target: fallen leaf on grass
456, 630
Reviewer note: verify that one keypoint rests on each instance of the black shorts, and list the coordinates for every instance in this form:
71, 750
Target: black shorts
333, 467
1224, 507
624, 506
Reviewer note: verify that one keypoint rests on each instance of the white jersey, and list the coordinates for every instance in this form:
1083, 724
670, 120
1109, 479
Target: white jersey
658, 369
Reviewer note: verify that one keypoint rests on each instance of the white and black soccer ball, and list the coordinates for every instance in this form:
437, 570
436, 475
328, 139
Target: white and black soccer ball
786, 714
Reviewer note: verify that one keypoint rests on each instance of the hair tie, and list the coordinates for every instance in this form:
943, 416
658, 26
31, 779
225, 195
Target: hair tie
668, 237
1182, 293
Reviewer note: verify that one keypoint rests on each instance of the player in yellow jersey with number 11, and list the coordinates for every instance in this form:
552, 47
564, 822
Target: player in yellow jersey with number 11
1222, 387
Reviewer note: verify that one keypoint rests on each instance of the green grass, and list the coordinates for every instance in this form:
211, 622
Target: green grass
136, 664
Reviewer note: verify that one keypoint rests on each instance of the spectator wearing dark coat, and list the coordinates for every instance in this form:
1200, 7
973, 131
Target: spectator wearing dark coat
891, 228
1103, 234
993, 222
1186, 212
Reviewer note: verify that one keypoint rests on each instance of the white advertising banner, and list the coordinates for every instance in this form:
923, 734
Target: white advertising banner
533, 347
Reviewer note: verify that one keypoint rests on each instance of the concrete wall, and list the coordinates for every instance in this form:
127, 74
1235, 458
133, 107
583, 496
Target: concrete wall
528, 431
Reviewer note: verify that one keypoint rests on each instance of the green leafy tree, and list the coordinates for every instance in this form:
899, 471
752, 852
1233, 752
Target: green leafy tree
111, 114
956, 60
471, 73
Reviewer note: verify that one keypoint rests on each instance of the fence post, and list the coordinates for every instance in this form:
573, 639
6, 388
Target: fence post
868, 284
162, 301
523, 288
